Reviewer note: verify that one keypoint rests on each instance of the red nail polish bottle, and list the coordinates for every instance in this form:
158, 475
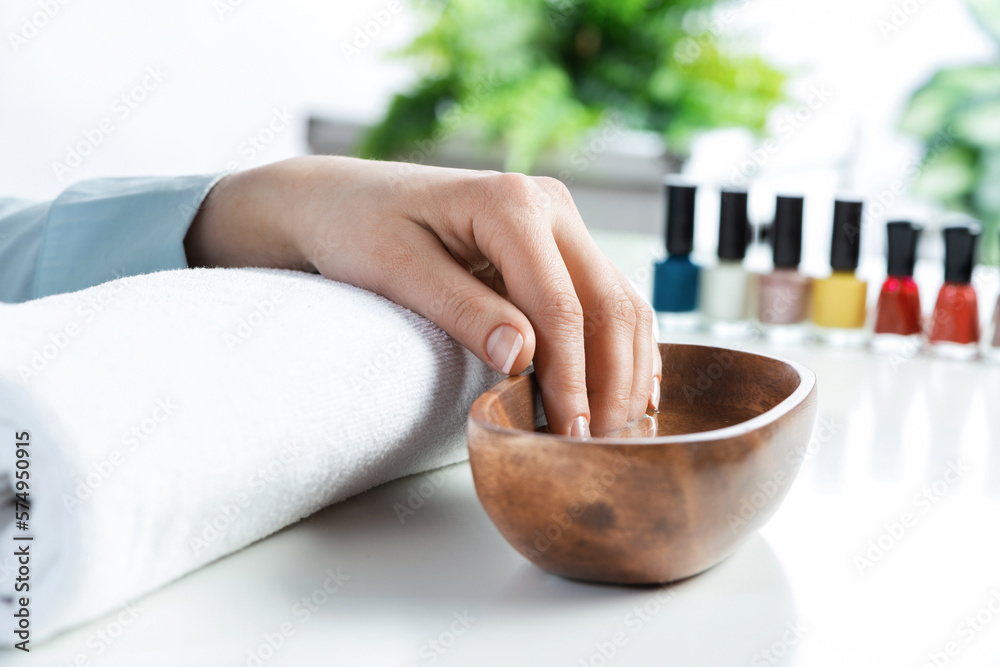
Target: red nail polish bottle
897, 315
954, 329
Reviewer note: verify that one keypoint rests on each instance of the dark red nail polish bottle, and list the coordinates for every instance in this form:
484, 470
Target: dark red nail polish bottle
954, 328
897, 315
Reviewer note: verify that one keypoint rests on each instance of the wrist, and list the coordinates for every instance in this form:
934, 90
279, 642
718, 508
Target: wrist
244, 221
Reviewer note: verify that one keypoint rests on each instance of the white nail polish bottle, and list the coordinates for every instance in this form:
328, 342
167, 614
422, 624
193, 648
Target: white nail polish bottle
728, 291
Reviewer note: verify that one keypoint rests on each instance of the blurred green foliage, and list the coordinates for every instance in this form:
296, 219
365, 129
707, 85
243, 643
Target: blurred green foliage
537, 74
957, 116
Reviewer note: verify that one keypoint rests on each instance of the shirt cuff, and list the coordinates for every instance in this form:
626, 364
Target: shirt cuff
105, 228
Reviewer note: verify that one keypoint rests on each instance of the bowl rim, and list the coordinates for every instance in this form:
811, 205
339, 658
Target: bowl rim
807, 383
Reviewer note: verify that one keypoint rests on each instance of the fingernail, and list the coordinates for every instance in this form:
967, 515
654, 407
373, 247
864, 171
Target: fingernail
654, 394
503, 346
580, 428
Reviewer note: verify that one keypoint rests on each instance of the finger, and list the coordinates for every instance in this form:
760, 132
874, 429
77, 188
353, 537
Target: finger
651, 365
515, 235
421, 275
610, 354
644, 381
654, 397
609, 332
619, 367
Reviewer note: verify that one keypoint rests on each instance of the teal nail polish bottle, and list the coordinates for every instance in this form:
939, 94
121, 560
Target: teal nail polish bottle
675, 277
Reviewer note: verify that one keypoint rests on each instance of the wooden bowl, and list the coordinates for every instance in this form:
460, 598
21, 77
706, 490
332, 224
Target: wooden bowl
669, 498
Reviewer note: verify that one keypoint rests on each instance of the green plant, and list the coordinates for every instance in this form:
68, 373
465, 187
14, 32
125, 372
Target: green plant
957, 116
537, 74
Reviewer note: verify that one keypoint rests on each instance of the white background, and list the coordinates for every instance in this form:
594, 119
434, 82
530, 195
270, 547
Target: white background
229, 67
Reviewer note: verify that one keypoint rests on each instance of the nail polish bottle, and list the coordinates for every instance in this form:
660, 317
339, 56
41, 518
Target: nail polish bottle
839, 300
954, 327
728, 291
991, 343
675, 277
991, 347
898, 323
785, 293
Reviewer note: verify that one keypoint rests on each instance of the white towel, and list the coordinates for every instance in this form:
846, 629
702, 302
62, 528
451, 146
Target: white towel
179, 416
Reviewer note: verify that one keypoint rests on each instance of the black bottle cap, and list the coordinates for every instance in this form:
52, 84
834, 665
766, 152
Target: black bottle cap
733, 225
959, 252
845, 246
680, 218
902, 237
786, 235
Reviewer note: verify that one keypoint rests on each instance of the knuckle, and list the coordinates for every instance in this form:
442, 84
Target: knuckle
611, 405
615, 310
557, 190
572, 385
515, 185
464, 308
563, 306
644, 316
614, 396
619, 396
620, 309
518, 192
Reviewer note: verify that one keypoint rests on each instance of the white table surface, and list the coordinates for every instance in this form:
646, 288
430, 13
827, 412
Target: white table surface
797, 593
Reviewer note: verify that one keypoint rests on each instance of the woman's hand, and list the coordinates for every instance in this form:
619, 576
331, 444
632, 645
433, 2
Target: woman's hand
502, 262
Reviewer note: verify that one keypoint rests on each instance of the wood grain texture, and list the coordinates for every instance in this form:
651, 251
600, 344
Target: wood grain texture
668, 497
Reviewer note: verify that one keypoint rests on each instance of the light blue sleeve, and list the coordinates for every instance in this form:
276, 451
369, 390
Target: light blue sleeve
95, 231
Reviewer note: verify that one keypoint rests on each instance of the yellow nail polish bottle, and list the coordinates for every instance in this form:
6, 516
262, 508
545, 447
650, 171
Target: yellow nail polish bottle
839, 301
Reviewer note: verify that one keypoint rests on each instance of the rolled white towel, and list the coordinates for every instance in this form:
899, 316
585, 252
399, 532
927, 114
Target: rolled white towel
175, 417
